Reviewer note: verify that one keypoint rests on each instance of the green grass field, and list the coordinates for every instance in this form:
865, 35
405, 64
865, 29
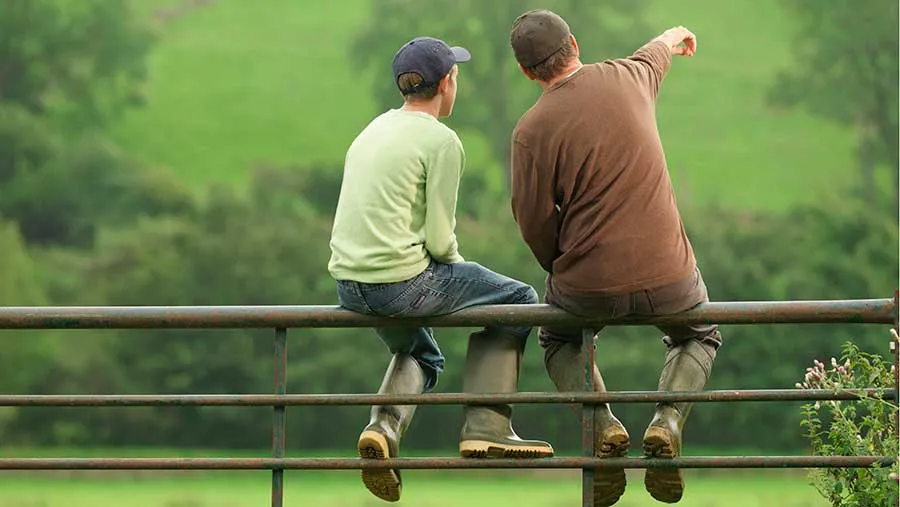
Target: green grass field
234, 84
421, 489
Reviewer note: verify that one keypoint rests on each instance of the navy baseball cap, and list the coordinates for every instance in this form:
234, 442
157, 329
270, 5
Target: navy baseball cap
428, 57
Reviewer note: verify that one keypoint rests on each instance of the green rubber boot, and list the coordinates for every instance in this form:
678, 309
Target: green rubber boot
687, 368
566, 368
493, 362
381, 438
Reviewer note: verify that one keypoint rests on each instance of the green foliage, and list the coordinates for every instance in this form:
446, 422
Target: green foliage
844, 52
69, 68
845, 428
20, 285
83, 184
26, 141
81, 58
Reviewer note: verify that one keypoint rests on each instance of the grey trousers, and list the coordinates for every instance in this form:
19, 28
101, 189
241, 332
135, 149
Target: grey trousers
667, 299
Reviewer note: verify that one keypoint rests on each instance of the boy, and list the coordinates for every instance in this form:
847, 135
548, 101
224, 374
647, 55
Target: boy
395, 254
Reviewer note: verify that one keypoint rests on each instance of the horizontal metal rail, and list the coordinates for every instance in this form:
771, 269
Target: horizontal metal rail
269, 400
857, 311
438, 463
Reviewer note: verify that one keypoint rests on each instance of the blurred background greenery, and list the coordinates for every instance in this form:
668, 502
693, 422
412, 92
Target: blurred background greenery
180, 152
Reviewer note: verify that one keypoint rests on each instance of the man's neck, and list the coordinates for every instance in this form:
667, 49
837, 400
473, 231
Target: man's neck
570, 69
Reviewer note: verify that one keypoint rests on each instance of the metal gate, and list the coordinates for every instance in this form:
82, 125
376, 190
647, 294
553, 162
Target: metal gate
282, 318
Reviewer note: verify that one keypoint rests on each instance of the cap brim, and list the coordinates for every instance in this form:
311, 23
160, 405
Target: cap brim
461, 54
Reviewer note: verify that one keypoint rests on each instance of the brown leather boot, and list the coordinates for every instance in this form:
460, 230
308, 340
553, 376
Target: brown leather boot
381, 438
493, 362
566, 368
687, 368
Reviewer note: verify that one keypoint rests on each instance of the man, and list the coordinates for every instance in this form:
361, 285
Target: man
394, 254
593, 200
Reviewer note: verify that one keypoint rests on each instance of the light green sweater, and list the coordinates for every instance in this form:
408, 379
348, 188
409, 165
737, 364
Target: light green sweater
397, 207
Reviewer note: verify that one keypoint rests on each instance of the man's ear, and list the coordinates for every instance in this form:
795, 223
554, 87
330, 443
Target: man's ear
529, 75
575, 45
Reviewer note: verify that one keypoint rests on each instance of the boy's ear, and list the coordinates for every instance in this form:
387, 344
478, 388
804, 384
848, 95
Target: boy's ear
445, 81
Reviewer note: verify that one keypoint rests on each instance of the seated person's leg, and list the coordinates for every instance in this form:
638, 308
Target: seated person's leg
565, 360
494, 356
691, 352
416, 363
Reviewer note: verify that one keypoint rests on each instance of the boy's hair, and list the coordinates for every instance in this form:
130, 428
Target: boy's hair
413, 87
555, 64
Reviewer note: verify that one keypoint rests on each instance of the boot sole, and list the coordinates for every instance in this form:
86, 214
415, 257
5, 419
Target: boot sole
485, 449
383, 483
609, 483
664, 484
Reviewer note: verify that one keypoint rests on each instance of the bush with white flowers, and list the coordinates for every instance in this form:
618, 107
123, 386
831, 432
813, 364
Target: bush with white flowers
860, 427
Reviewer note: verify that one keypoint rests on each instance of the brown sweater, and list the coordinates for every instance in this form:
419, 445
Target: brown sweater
590, 188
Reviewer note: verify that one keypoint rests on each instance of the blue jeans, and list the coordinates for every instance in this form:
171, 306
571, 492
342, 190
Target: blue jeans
439, 290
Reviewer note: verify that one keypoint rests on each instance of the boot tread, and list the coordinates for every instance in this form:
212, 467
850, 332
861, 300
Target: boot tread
664, 484
609, 483
383, 483
486, 449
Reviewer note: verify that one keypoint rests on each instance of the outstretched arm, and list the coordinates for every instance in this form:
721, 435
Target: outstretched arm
654, 58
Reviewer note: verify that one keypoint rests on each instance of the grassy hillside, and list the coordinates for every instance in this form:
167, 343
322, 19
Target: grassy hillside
722, 141
421, 488
234, 83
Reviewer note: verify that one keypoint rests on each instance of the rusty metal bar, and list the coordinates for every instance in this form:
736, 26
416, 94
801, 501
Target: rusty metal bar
858, 311
279, 372
588, 337
268, 400
439, 463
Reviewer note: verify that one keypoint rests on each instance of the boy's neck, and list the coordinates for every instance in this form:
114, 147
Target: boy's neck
432, 107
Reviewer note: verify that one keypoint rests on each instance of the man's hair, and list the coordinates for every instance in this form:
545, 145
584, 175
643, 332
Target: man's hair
555, 64
421, 91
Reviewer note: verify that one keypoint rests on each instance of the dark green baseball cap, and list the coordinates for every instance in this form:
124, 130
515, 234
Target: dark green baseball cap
536, 35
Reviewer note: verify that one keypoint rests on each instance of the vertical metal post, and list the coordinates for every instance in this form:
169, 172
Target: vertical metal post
895, 351
587, 418
280, 377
